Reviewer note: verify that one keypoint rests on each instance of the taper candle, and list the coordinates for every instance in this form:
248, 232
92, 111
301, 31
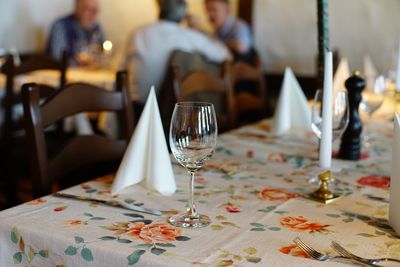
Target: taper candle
325, 151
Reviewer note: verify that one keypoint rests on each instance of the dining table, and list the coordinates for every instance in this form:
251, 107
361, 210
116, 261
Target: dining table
255, 189
101, 77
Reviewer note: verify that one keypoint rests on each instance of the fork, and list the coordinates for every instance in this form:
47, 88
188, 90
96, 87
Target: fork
342, 251
323, 257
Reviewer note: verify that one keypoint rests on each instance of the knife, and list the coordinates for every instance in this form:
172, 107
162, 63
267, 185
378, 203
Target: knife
381, 199
113, 203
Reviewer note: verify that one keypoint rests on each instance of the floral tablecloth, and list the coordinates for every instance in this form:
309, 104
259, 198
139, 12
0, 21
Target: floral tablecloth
253, 189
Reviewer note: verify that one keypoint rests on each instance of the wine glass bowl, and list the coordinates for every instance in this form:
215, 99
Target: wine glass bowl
372, 100
340, 114
193, 136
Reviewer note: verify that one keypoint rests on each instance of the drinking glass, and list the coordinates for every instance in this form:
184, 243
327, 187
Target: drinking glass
340, 120
340, 114
192, 137
372, 99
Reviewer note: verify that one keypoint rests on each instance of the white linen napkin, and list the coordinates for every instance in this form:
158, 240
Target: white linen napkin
370, 72
146, 158
394, 207
292, 112
341, 75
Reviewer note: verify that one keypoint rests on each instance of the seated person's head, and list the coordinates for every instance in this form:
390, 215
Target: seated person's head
86, 12
218, 12
172, 10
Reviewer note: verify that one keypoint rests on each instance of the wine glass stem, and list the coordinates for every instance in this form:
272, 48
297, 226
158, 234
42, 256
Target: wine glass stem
192, 208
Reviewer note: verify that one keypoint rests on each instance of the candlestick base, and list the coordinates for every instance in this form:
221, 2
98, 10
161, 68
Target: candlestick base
323, 194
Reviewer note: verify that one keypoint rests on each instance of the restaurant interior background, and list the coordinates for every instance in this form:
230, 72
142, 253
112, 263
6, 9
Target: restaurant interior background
285, 31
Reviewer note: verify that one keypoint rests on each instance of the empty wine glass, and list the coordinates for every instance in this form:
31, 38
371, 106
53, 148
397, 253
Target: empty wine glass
340, 120
340, 114
372, 99
193, 136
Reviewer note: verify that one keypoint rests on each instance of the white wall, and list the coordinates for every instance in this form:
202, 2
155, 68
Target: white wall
285, 30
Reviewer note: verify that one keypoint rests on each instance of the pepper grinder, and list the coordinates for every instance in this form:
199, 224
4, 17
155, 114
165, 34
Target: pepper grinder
350, 147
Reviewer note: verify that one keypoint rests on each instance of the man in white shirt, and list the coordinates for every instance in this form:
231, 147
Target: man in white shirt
150, 48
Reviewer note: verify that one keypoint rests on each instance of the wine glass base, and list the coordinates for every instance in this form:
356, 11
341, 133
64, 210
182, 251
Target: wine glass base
187, 221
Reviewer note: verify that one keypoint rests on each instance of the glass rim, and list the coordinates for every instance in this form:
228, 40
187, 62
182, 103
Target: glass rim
194, 104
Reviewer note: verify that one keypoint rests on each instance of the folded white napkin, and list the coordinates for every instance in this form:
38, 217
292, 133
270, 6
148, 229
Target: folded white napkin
292, 112
341, 75
394, 207
370, 72
147, 157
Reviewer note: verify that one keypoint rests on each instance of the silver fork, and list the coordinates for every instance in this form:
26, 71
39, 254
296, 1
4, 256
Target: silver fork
323, 257
344, 252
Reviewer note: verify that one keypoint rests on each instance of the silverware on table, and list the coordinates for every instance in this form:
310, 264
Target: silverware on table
324, 257
344, 252
381, 199
113, 203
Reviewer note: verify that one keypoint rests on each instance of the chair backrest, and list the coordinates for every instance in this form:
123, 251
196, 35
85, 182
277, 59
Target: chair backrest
180, 63
201, 85
81, 150
33, 63
250, 89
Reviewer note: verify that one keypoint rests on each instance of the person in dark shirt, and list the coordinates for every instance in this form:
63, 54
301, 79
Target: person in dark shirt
79, 34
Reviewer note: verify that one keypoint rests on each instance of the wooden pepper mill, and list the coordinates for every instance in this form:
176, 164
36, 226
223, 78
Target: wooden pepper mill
350, 147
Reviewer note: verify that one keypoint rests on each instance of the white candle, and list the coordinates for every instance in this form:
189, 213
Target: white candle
398, 70
325, 151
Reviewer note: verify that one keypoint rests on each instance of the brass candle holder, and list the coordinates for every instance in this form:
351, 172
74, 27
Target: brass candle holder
323, 194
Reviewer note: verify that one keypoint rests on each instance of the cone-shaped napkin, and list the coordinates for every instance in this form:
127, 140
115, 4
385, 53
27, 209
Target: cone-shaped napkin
394, 208
341, 75
292, 112
147, 158
370, 72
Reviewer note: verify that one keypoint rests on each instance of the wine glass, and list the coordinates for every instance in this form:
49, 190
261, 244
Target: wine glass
192, 137
372, 99
340, 120
340, 114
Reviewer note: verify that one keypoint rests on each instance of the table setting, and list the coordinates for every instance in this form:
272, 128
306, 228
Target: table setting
249, 201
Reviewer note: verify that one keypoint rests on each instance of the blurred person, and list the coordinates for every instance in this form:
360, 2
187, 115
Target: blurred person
150, 48
79, 34
234, 32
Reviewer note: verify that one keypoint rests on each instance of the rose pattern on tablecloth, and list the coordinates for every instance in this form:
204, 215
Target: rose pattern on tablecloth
294, 250
275, 194
252, 190
382, 182
156, 237
302, 224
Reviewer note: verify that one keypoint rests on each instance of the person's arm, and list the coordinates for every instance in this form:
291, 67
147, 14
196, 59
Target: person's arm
242, 40
58, 41
211, 48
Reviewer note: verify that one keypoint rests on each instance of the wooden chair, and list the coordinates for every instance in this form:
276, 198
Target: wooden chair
12, 141
201, 85
81, 150
250, 91
180, 64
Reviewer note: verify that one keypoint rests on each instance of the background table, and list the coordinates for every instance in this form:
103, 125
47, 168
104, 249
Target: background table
252, 189
102, 78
